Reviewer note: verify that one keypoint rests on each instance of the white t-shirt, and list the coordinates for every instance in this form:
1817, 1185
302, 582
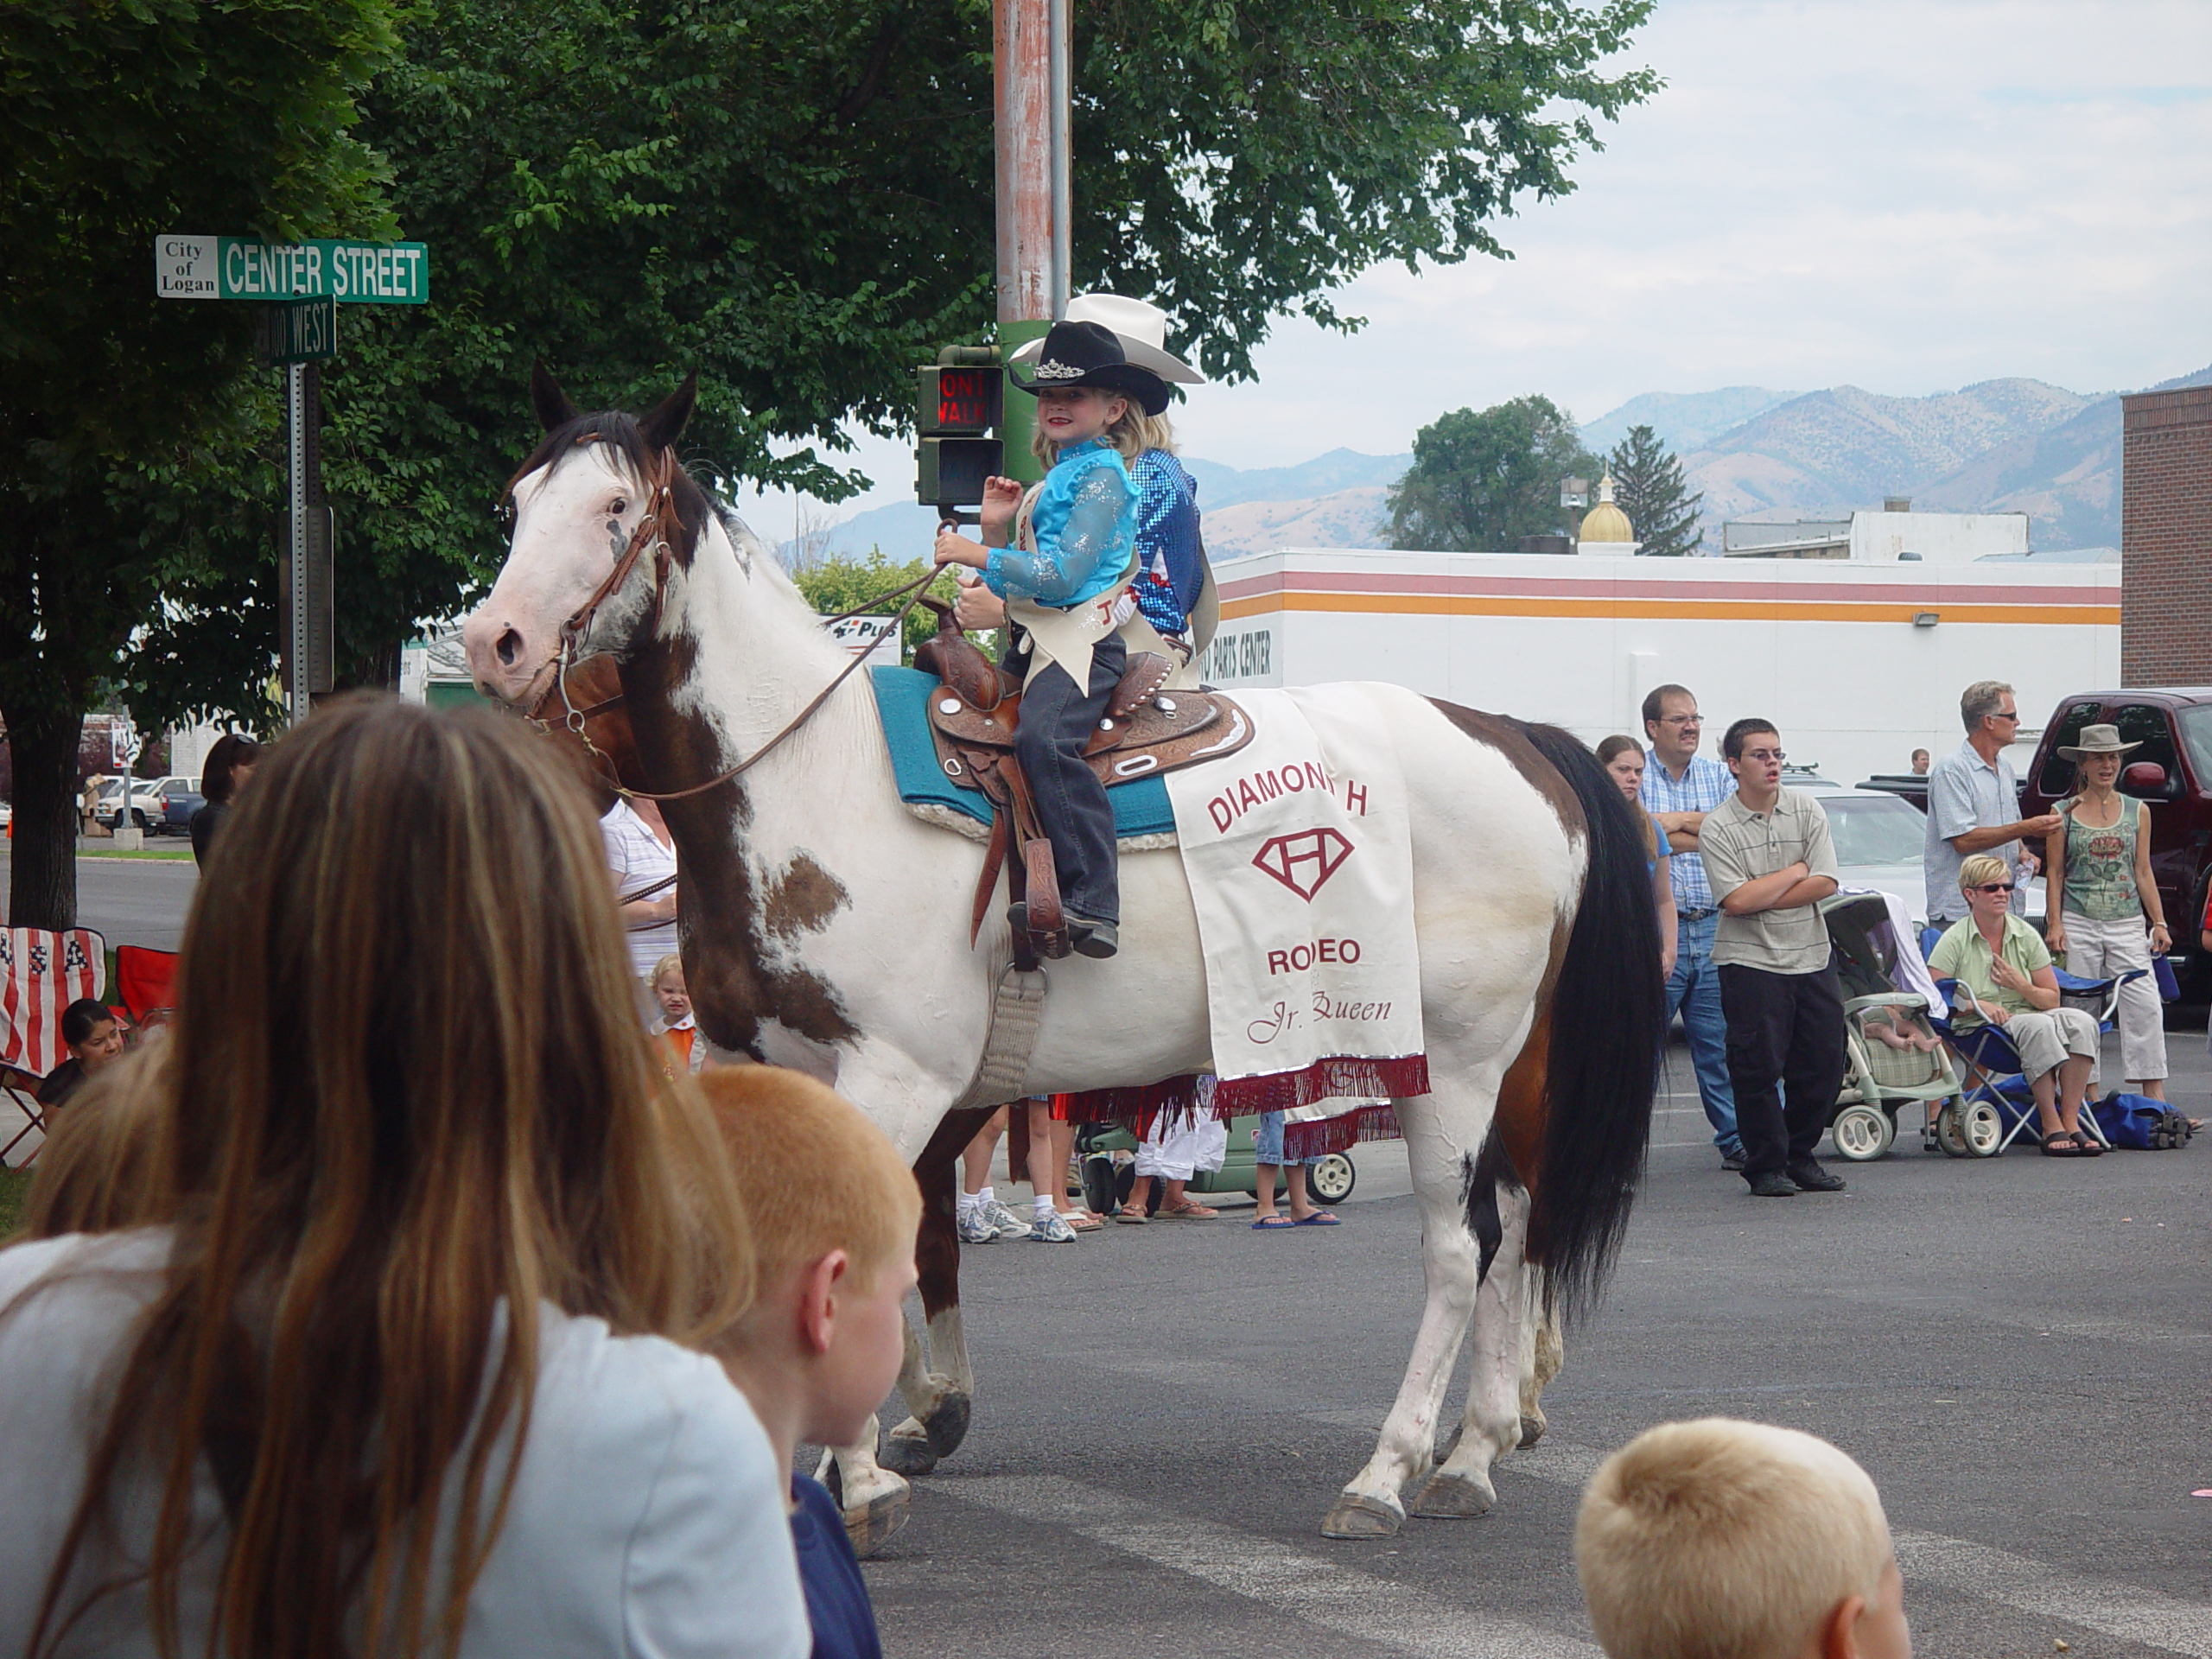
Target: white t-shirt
638, 860
646, 1518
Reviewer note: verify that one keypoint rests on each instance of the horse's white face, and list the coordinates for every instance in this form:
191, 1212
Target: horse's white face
573, 519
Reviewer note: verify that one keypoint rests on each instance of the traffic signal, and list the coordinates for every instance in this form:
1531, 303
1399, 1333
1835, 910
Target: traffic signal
957, 402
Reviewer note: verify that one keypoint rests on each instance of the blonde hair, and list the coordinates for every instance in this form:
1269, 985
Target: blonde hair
1981, 868
1130, 436
671, 960
1726, 1539
104, 1166
814, 1174
406, 1091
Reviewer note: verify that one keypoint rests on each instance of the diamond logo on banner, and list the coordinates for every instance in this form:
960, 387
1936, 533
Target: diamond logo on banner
1305, 861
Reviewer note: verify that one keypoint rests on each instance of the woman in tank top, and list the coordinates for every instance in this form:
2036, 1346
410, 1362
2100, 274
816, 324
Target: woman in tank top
2102, 896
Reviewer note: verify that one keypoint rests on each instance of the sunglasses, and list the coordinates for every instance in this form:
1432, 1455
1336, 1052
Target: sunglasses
1994, 886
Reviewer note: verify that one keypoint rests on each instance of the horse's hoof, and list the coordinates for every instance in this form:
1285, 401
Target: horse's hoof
906, 1452
947, 1423
1356, 1516
1451, 1496
1532, 1429
871, 1525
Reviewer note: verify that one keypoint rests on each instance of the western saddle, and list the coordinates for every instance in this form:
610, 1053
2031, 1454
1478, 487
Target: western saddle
1145, 731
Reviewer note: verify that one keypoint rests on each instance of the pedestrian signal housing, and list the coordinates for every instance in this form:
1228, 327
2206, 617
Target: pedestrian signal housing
956, 404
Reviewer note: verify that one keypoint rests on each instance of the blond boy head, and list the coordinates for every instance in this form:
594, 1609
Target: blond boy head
814, 1176
1727, 1539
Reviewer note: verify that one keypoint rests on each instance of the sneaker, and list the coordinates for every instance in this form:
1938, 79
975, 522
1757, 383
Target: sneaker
1052, 1229
977, 1227
1772, 1185
1733, 1159
1003, 1222
1807, 1176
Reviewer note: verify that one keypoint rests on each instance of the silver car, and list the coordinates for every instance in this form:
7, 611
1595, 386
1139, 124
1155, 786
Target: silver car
1880, 840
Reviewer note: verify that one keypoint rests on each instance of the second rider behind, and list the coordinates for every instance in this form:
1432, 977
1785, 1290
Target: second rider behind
1062, 558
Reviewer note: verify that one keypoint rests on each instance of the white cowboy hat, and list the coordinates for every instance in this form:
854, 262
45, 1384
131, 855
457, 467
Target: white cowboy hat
1141, 328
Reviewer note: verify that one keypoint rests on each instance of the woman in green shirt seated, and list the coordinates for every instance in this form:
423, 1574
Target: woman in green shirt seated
2005, 978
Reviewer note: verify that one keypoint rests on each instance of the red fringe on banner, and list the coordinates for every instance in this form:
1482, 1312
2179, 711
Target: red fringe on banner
1302, 1141
1356, 1078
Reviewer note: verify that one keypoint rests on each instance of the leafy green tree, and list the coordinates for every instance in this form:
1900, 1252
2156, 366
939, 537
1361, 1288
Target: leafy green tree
842, 582
1648, 486
1480, 482
128, 425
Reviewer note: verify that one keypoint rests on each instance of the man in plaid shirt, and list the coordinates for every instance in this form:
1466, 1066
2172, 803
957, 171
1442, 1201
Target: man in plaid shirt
1680, 787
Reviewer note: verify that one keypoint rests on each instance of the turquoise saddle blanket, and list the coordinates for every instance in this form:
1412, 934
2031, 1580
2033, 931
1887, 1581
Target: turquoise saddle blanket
902, 700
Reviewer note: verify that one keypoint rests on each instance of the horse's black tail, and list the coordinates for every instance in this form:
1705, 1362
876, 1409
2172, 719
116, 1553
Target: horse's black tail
1607, 1015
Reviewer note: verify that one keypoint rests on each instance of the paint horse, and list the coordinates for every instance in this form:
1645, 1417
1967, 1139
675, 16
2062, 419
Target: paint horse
824, 927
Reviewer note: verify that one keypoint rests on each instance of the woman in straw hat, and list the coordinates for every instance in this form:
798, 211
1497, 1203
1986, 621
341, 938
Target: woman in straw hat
386, 1341
2102, 894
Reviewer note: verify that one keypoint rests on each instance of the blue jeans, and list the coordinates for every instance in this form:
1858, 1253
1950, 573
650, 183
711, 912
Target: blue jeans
1267, 1149
1695, 988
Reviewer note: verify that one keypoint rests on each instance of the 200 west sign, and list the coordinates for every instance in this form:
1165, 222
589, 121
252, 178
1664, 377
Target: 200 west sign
239, 268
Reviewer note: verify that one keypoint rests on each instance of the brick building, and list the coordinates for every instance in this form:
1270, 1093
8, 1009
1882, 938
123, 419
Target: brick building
2166, 537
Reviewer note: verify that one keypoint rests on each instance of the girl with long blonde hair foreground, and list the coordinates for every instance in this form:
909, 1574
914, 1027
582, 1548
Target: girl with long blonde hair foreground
397, 1366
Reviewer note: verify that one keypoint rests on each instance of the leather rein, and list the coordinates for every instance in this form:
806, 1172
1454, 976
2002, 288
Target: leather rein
653, 532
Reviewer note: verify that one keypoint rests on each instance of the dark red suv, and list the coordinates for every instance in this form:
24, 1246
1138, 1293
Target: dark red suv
2173, 772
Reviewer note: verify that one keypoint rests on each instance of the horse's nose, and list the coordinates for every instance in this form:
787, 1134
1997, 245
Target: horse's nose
509, 647
498, 655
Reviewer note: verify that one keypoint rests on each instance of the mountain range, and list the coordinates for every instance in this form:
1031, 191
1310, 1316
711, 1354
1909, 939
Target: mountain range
2011, 445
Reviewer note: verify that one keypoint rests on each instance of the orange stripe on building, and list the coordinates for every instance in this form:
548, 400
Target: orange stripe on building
1687, 610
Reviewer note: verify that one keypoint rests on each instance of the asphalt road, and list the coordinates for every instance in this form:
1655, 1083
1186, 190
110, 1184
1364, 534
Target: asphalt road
2017, 1350
132, 901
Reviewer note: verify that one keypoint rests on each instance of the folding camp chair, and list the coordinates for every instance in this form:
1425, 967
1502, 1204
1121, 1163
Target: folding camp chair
41, 975
1999, 1103
147, 980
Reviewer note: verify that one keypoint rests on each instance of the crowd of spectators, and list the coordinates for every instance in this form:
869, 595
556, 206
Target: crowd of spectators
1746, 861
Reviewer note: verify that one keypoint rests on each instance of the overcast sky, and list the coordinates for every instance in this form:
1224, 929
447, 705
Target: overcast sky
1905, 196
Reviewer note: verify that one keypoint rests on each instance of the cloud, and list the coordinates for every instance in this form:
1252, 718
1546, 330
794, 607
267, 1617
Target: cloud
1906, 196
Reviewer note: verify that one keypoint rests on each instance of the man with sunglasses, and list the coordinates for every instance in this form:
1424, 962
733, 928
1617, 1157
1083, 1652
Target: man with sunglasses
1771, 861
1973, 804
1680, 787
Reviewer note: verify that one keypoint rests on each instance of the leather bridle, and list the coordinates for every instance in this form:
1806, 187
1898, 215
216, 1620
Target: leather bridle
653, 531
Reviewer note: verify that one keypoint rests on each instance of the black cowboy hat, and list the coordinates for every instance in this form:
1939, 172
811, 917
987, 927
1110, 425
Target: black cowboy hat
1089, 354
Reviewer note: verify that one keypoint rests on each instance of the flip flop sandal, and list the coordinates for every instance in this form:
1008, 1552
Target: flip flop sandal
2060, 1144
1318, 1219
2090, 1145
1272, 1223
1187, 1212
1129, 1216
1082, 1220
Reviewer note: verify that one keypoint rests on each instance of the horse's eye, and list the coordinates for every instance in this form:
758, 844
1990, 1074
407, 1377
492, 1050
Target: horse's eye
619, 507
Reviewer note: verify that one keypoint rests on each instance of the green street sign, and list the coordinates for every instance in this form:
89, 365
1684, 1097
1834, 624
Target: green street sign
240, 268
295, 331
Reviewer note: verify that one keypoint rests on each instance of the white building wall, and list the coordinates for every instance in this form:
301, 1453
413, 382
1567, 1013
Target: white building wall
1938, 538
1826, 649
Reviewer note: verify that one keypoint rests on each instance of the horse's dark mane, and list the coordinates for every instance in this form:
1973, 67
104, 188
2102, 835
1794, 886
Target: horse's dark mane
611, 426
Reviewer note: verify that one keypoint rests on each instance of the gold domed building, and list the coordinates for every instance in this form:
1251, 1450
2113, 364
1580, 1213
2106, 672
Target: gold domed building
1606, 532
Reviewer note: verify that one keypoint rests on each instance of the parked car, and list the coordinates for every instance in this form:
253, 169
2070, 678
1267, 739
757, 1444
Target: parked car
2173, 772
181, 799
1881, 843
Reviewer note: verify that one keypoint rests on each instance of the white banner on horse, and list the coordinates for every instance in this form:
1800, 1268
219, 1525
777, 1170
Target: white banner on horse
1300, 867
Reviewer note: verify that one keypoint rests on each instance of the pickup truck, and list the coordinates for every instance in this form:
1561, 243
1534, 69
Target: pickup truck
181, 799
2172, 772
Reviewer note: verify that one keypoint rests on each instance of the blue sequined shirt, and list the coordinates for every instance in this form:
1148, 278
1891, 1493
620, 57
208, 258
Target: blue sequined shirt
1170, 575
1085, 521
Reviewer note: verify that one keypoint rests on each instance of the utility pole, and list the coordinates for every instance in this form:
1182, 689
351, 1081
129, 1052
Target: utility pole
1032, 56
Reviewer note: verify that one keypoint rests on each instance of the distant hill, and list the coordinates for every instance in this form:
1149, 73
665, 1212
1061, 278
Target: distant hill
1350, 517
2002, 445
1684, 420
905, 531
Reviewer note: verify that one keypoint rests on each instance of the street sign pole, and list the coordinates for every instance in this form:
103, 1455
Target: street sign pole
295, 523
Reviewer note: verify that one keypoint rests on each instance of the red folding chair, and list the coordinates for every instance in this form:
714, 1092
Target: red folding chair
147, 980
41, 974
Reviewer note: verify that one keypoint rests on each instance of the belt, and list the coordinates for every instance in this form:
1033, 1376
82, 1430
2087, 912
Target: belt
1697, 915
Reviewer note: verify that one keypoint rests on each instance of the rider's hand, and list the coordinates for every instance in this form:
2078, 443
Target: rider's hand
976, 607
952, 548
1002, 499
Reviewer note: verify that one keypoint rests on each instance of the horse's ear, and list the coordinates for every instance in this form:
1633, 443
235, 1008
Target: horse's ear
552, 404
663, 423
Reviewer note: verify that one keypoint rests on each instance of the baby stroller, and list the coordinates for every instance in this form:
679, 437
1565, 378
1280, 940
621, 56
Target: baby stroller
1894, 1055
